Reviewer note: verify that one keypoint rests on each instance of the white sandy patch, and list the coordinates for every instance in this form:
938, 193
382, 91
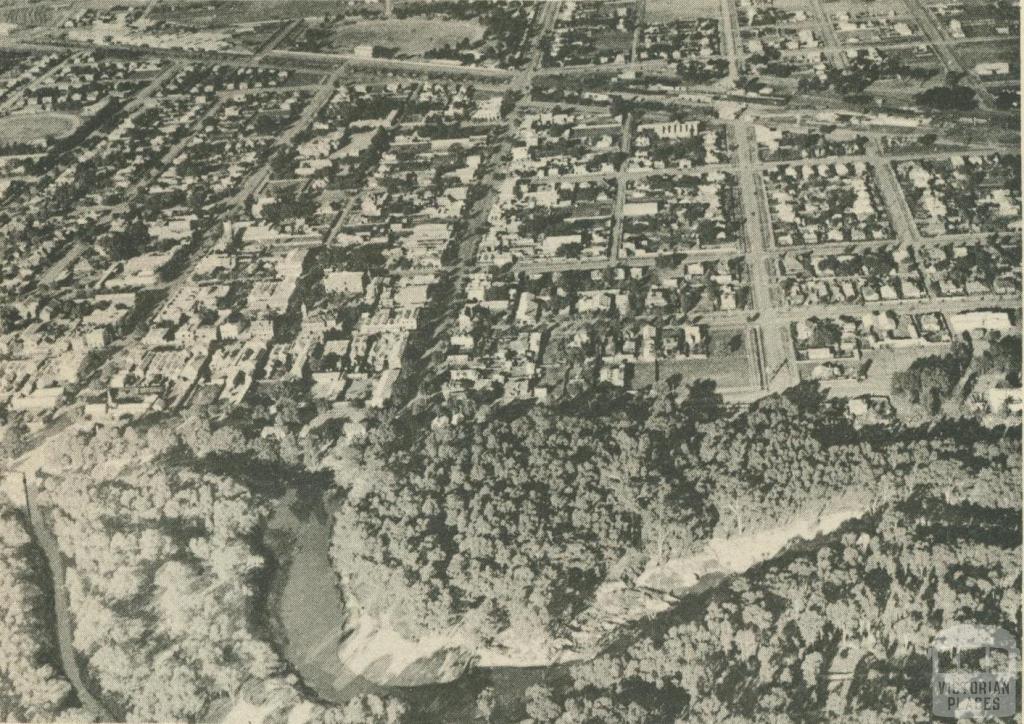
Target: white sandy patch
301, 713
737, 553
243, 712
376, 650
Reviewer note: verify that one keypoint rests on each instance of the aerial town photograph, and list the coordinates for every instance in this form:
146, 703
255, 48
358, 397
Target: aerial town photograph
510, 361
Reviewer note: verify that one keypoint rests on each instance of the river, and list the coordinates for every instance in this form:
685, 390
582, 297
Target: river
47, 542
307, 625
307, 611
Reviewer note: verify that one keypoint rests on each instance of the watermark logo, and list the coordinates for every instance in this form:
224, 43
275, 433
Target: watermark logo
974, 672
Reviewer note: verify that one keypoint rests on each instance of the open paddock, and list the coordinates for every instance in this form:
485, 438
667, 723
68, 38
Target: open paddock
25, 128
729, 363
408, 36
664, 11
216, 13
878, 366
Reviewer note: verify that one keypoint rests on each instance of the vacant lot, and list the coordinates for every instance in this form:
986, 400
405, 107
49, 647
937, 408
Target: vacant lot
663, 11
879, 365
411, 36
31, 127
215, 13
728, 363
28, 15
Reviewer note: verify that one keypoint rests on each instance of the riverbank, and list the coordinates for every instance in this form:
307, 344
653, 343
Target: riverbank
736, 554
308, 622
339, 652
306, 611
376, 651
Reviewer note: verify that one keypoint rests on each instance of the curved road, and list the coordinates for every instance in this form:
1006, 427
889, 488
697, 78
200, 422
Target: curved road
65, 631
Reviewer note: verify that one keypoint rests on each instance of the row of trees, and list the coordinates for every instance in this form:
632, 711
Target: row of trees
31, 686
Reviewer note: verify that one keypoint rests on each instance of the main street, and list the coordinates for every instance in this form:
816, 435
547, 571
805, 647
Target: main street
785, 315
732, 40
621, 186
758, 236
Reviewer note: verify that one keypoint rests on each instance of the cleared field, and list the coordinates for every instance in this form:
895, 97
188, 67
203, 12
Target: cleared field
204, 13
26, 128
880, 366
411, 36
729, 362
27, 15
993, 52
663, 11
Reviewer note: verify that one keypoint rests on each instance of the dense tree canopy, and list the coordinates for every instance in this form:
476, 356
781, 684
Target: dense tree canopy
158, 524
514, 518
159, 579
508, 518
946, 97
836, 629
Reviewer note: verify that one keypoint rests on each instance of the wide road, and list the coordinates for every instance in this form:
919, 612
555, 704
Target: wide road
641, 13
621, 182
783, 316
833, 45
903, 223
732, 40
775, 354
546, 22
276, 39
